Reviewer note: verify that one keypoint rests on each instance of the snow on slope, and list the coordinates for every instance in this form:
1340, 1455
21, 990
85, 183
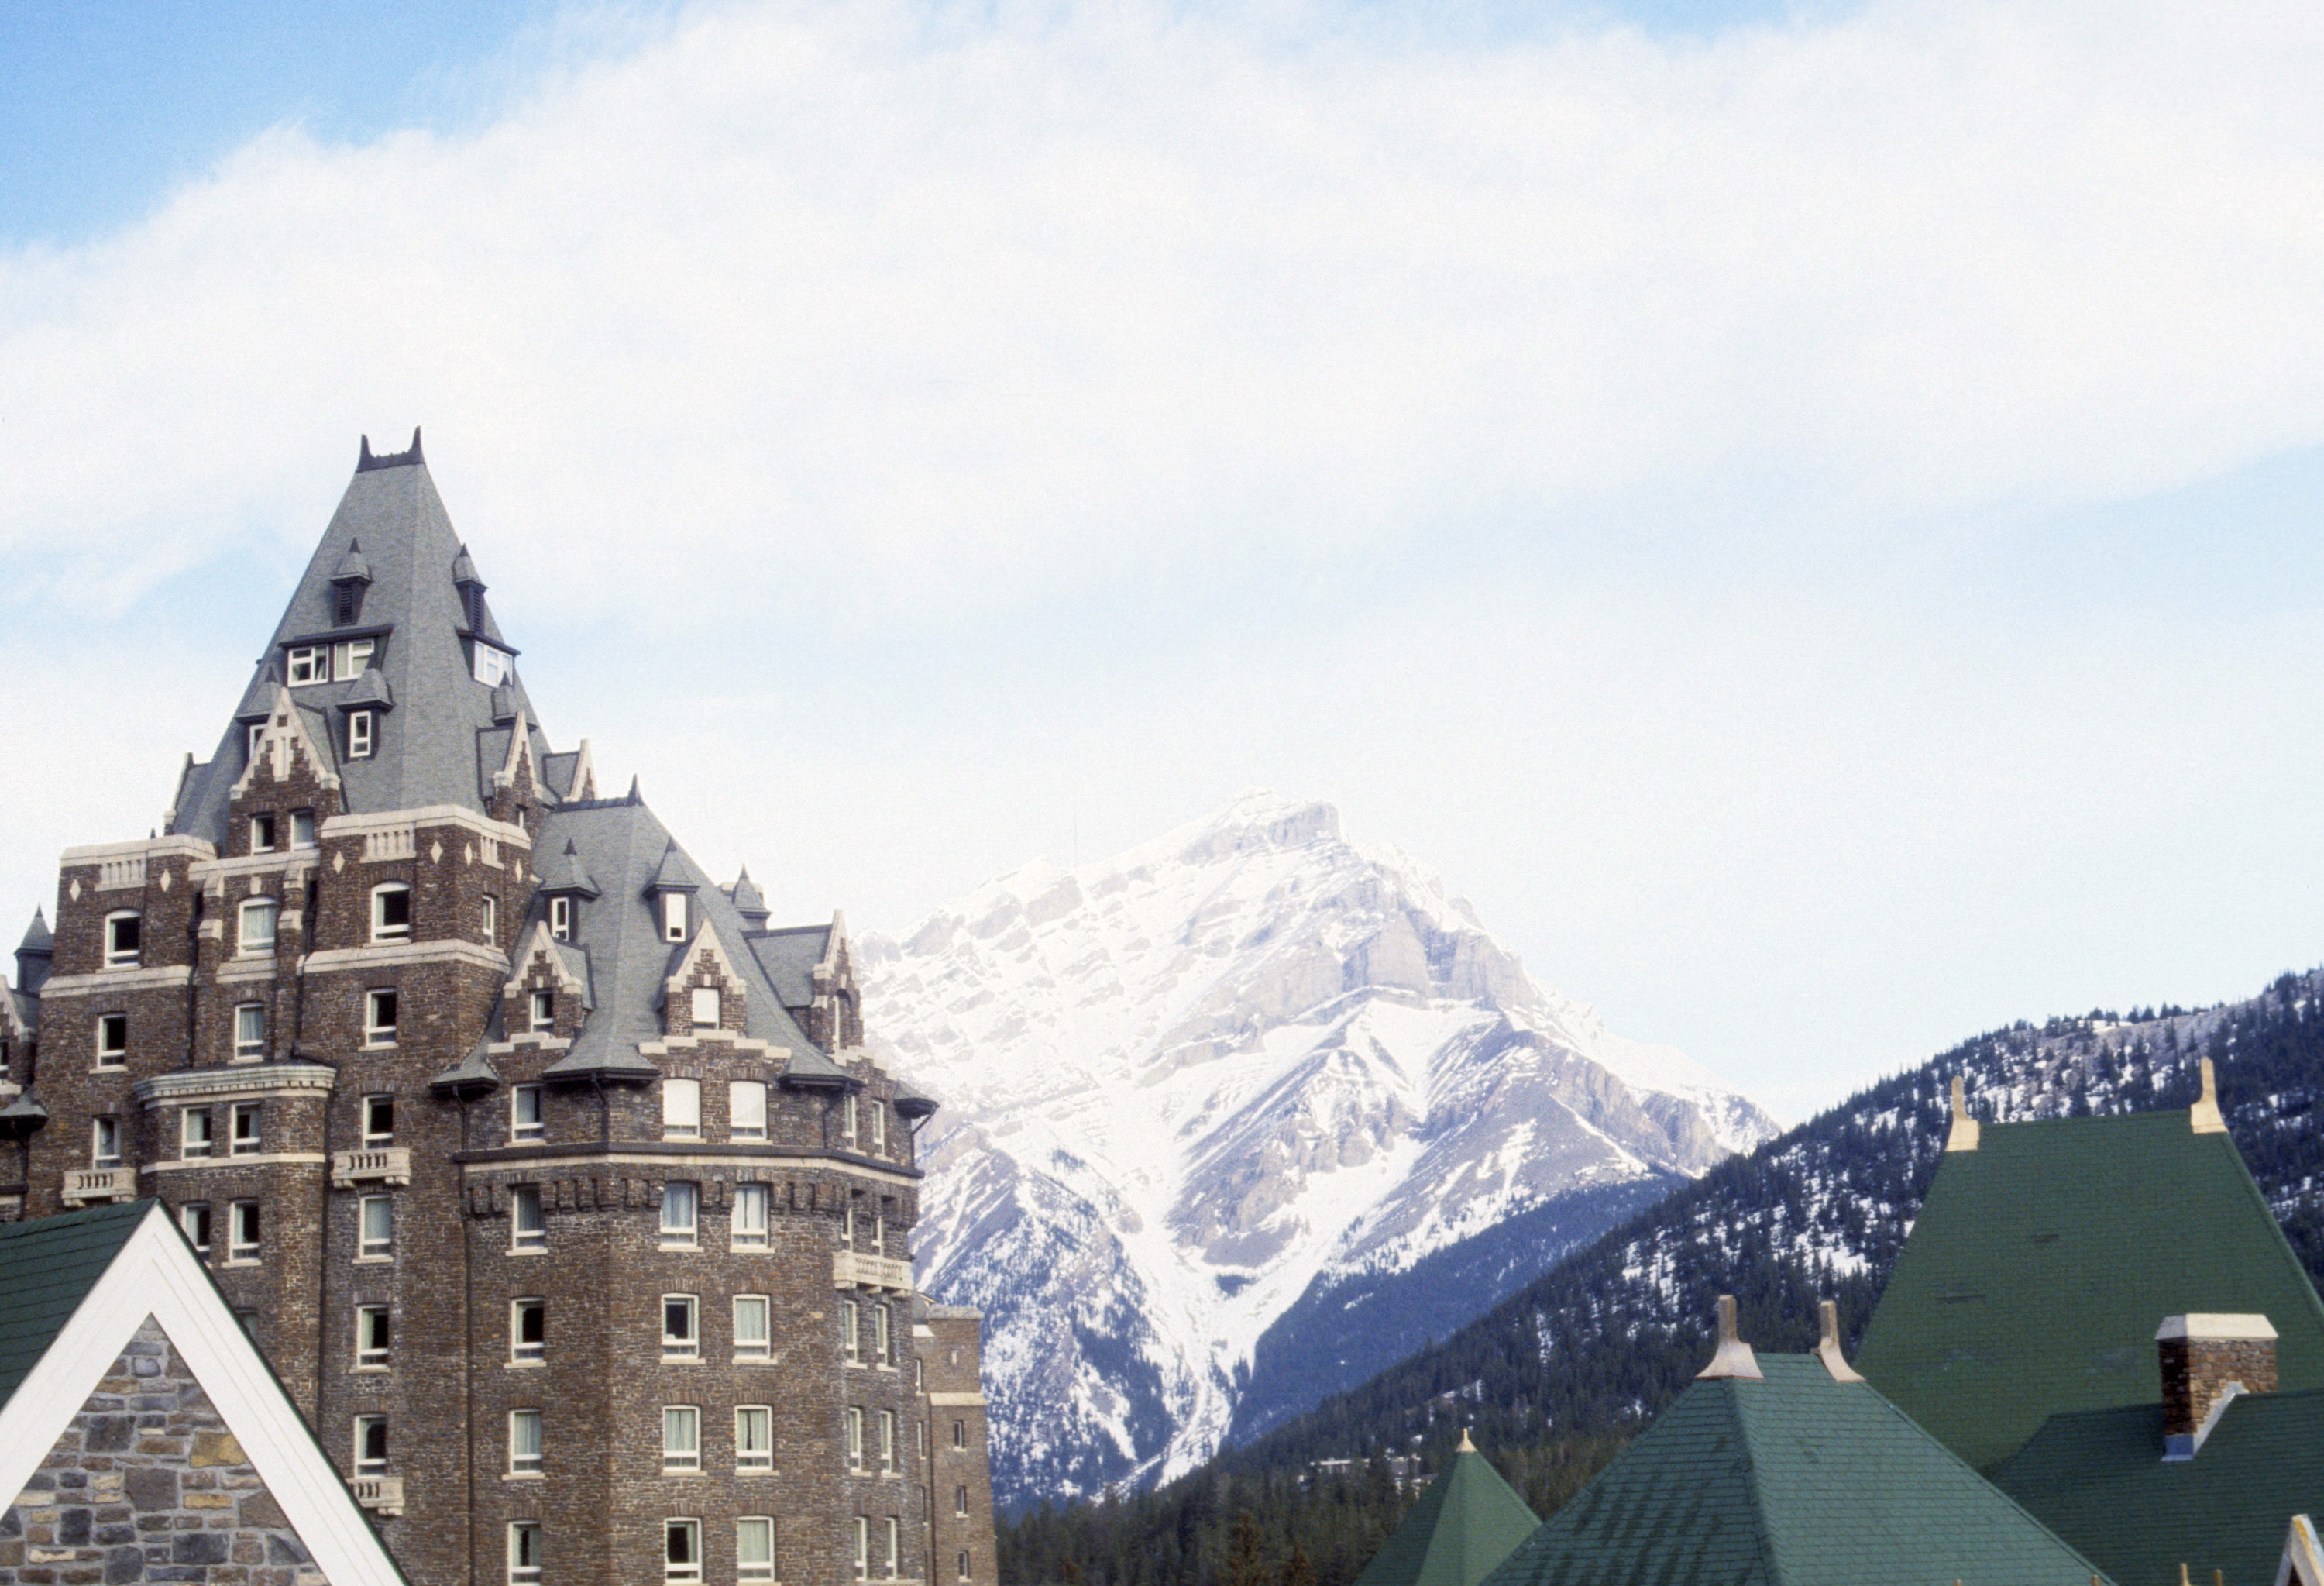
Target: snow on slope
1183, 1084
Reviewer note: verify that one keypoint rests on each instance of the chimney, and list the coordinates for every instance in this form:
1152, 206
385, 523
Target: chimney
1733, 1357
1828, 1348
2208, 1359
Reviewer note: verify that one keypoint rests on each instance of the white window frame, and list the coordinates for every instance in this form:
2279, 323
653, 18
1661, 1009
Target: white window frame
249, 1031
307, 664
540, 1012
748, 1569
536, 1128
193, 1220
688, 1571
963, 1574
118, 956
960, 1503
105, 1142
524, 1553
244, 1217
747, 1223
528, 1229
560, 917
524, 1428
375, 1140
862, 1548
492, 665
249, 941
855, 1437
382, 928
887, 1441
755, 1453
350, 656
682, 1215
375, 1000
368, 1464
302, 828
681, 1109
681, 1438
878, 1125
108, 1055
850, 1337
895, 1538
522, 1354
746, 1108
883, 1336
686, 1345
262, 828
753, 1339
241, 1141
673, 916
960, 1434
848, 1118
702, 1000
197, 1133
370, 1354
375, 1228
362, 735
492, 917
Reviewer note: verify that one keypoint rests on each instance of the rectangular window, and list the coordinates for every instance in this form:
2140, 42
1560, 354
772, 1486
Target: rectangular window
681, 1336
241, 1232
249, 1031
491, 666
681, 1438
524, 1443
681, 1109
863, 1547
705, 1006
960, 1500
246, 1128
379, 1018
883, 1338
255, 934
309, 663
371, 1445
527, 1331
849, 1111
963, 1565
854, 1438
673, 916
524, 1553
112, 1039
378, 1122
373, 1332
197, 1136
262, 834
359, 734
105, 1142
747, 1228
560, 917
195, 1219
525, 1120
257, 736
527, 1228
543, 1011
850, 1345
354, 655
390, 913
491, 918
124, 934
887, 1440
920, 1428
960, 1434
878, 1243
680, 1204
847, 1225
753, 1339
302, 828
746, 1110
681, 1551
895, 1547
754, 1548
376, 1215
879, 1126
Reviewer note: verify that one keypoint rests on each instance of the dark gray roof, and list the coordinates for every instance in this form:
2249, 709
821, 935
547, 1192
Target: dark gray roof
567, 874
677, 873
371, 688
47, 1267
472, 1074
38, 937
352, 565
788, 957
745, 897
561, 769
21, 1116
428, 749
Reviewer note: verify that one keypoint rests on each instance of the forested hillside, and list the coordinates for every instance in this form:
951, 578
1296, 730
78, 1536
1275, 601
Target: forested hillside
1554, 1378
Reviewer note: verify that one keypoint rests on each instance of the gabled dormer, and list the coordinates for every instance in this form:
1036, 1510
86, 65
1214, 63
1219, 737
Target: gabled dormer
350, 578
671, 894
566, 888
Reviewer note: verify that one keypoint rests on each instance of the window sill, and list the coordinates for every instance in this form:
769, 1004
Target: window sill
374, 1044
681, 1360
374, 1260
368, 1370
755, 1360
524, 1476
528, 1250
121, 1067
690, 1248
242, 1261
525, 1365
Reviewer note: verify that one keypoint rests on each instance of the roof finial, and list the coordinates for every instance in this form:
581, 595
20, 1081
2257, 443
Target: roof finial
1734, 1357
1964, 1134
2203, 1117
635, 797
1828, 1348
1466, 1446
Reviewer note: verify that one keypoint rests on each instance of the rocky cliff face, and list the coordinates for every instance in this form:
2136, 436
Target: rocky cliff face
1241, 1079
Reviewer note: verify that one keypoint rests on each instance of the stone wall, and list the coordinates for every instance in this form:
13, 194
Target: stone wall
147, 1484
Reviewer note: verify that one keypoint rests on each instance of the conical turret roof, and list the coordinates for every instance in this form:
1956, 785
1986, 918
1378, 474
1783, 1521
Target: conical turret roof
747, 900
38, 938
567, 874
1466, 1523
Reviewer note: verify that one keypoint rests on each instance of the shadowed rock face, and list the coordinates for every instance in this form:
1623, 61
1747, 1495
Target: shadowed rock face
1247, 1063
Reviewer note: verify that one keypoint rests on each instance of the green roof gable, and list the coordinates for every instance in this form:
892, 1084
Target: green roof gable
2045, 1259
47, 1266
1468, 1521
2098, 1479
1793, 1480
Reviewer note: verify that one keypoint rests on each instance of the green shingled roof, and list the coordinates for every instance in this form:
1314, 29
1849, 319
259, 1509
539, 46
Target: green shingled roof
47, 1266
2098, 1480
2044, 1260
1795, 1480
1468, 1521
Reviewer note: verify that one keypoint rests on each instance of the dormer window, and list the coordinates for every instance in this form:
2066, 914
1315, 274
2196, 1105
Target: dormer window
543, 1011
257, 737
560, 917
359, 730
351, 656
673, 916
491, 666
309, 663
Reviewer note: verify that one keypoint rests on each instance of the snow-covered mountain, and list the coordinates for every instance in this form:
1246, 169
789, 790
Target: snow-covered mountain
1250, 1094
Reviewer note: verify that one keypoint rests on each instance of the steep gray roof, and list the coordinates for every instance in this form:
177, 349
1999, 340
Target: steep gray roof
38, 937
428, 745
746, 898
567, 874
787, 957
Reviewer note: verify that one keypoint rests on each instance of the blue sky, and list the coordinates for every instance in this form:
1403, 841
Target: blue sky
1804, 515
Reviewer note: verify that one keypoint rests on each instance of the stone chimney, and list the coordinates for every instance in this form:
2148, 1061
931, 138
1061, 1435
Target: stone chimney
2206, 1360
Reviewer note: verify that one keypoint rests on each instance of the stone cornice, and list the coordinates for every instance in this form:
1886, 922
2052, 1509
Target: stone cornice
252, 1078
430, 815
388, 955
117, 980
667, 1154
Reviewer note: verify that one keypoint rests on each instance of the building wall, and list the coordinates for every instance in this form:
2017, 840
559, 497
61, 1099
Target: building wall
961, 1473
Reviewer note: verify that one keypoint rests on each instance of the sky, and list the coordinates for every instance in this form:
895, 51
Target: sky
1804, 514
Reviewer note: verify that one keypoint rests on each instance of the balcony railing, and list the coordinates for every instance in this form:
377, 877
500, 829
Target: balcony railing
83, 1185
390, 1164
855, 1269
394, 842
120, 873
383, 1493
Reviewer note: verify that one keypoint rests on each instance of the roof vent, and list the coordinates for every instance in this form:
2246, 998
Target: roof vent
366, 462
1734, 1357
2206, 1361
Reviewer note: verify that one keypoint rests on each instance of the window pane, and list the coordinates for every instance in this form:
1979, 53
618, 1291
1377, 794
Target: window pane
678, 1211
681, 1107
750, 1323
705, 1006
750, 1220
746, 1106
754, 1548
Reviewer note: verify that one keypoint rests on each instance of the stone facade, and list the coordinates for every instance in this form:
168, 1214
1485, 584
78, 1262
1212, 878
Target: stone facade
148, 1485
2202, 1356
961, 1544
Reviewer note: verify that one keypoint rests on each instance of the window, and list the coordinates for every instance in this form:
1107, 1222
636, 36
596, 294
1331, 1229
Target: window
377, 1222
542, 1010
346, 600
373, 1332
491, 665
262, 834
105, 1142
390, 913
112, 1039
863, 1547
751, 1338
302, 828
195, 1137
681, 1109
673, 916
960, 1434
680, 1203
524, 1443
705, 1006
525, 1121
847, 1116
963, 1563
883, 1343
524, 1553
754, 1437
847, 1225
746, 1110
246, 1128
681, 1336
241, 1232
527, 1331
920, 1428
560, 917
527, 1230
681, 1550
249, 1031
122, 934
195, 1219
681, 1438
309, 663
492, 917
850, 1342
379, 1018
854, 1438
747, 1228
878, 1243
960, 1500
371, 1445
879, 1126
378, 1122
895, 1548
887, 1440
257, 737
256, 933
754, 1548
359, 734
353, 656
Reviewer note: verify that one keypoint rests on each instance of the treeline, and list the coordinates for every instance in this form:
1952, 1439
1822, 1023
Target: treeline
1555, 1379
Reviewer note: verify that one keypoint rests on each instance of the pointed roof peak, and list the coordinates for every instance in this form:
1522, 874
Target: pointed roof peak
1463, 1527
366, 460
676, 873
463, 568
1466, 1446
748, 902
37, 936
352, 565
567, 874
634, 796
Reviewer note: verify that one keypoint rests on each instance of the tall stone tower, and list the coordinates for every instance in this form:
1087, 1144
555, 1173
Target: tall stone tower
553, 1181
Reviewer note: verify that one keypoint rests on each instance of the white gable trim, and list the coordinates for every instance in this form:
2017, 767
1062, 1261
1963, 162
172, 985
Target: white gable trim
2303, 1559
155, 1275
538, 940
285, 729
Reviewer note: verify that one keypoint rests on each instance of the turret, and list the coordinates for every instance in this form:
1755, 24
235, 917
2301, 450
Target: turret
32, 955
